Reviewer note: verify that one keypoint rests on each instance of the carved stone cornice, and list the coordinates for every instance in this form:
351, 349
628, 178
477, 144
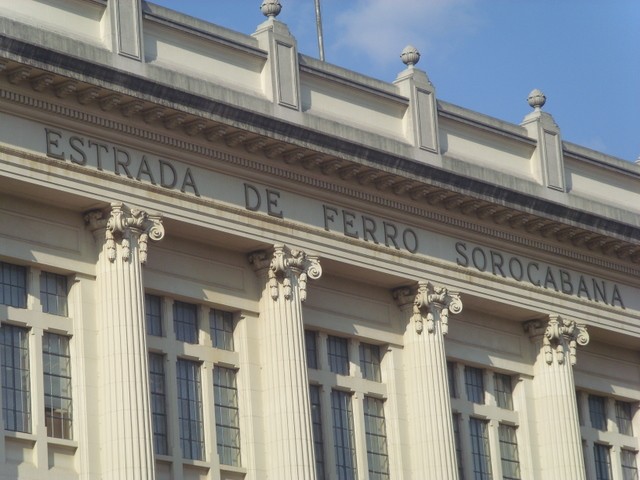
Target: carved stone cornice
430, 303
120, 223
283, 263
558, 333
611, 238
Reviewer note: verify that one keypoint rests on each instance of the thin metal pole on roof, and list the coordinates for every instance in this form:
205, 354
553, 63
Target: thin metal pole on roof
319, 29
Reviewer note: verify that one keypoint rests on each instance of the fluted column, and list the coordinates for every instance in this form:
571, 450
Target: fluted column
288, 412
432, 439
127, 435
556, 410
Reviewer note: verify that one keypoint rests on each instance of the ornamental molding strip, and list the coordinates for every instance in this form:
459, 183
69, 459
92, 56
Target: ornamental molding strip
559, 334
120, 224
430, 303
359, 174
281, 265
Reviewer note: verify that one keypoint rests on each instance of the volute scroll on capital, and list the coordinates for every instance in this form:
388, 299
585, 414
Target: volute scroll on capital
120, 223
429, 303
281, 265
560, 332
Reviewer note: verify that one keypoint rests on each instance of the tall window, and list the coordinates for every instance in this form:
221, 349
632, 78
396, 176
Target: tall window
190, 409
16, 394
376, 432
338, 352
603, 461
221, 328
451, 377
227, 419
153, 314
502, 385
311, 346
57, 385
370, 362
598, 412
629, 466
474, 384
458, 441
53, 293
480, 449
509, 452
316, 423
13, 285
343, 435
158, 403
185, 322
624, 418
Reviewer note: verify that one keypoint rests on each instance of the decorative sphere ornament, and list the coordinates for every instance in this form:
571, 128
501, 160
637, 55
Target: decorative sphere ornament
536, 99
270, 8
410, 55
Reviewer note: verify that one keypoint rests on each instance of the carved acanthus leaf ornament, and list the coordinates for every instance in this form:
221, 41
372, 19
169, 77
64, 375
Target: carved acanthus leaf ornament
429, 304
560, 332
120, 223
283, 264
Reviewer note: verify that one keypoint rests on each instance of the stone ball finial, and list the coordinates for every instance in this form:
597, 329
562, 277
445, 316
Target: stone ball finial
270, 8
536, 99
410, 55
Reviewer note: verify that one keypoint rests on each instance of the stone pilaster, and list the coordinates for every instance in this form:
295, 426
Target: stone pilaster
557, 425
429, 405
287, 411
125, 413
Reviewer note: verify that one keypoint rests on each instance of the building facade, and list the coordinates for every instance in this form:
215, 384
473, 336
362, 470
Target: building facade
221, 259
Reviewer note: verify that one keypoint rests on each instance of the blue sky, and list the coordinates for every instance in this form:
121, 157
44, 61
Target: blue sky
485, 55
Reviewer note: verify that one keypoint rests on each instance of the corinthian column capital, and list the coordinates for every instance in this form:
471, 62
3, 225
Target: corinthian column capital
559, 334
121, 224
429, 303
283, 264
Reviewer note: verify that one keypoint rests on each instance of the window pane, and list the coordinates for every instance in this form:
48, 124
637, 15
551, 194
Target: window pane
509, 452
53, 293
474, 383
451, 377
153, 314
16, 394
343, 435
316, 421
190, 409
57, 385
456, 437
598, 412
629, 466
480, 449
376, 433
502, 384
602, 461
338, 353
225, 395
13, 285
311, 345
158, 403
624, 417
221, 329
185, 322
370, 362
